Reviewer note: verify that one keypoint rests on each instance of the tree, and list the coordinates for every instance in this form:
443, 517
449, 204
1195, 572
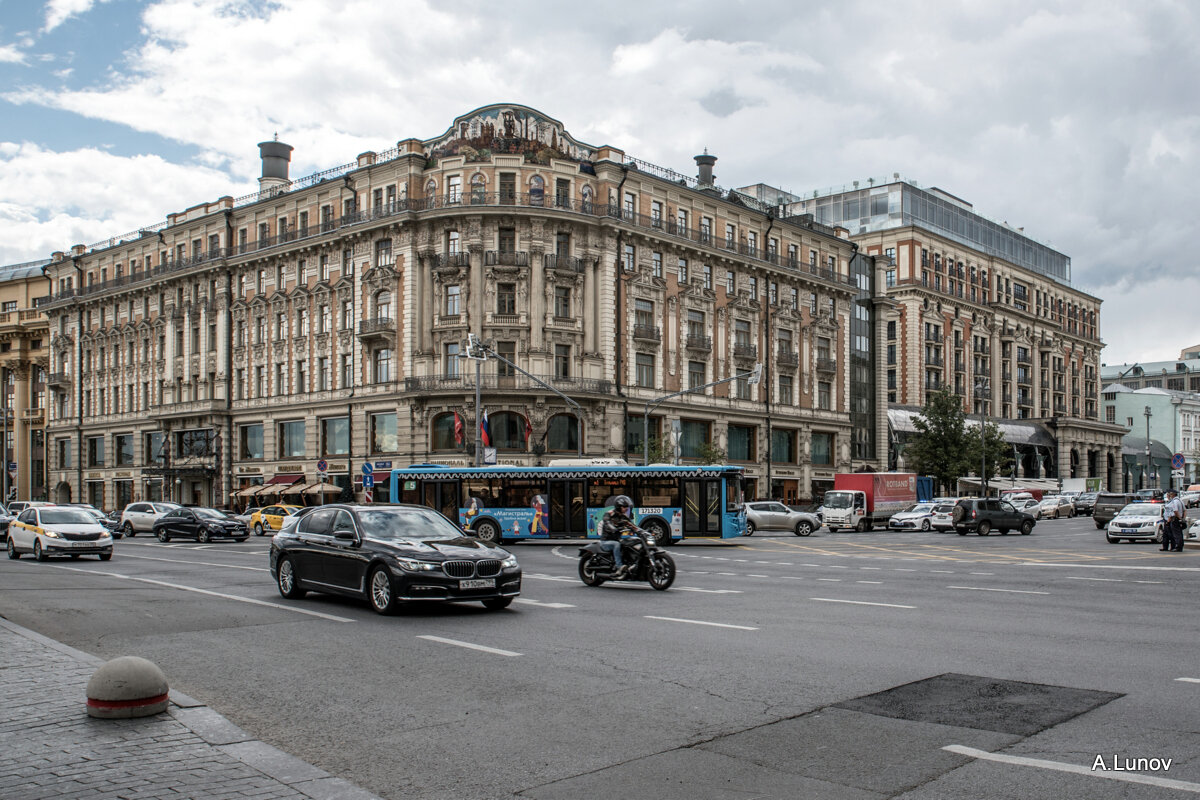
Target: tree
661, 451
711, 454
943, 449
999, 453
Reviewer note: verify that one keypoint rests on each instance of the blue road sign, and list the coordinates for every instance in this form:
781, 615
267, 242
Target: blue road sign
368, 481
322, 466
367, 469
1177, 461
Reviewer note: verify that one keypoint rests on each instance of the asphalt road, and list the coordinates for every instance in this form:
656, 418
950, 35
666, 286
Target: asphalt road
742, 681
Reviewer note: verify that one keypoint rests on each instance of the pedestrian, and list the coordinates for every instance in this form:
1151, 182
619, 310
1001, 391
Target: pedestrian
1173, 515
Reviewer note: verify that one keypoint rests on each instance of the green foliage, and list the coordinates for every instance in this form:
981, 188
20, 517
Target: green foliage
660, 451
999, 452
711, 454
942, 450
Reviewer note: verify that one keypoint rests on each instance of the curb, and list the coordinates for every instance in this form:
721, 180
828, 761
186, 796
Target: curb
228, 738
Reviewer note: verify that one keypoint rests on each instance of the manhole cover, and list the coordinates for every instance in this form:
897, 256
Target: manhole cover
989, 704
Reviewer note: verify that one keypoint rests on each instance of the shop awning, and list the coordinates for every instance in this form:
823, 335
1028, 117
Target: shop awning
265, 489
299, 478
249, 491
322, 488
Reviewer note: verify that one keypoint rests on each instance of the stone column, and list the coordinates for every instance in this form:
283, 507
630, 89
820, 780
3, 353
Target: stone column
22, 453
590, 309
537, 302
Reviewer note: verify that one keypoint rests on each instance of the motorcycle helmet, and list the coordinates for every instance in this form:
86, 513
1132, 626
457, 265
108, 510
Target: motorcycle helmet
623, 504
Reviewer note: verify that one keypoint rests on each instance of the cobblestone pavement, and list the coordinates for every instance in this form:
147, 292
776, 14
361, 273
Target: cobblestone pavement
51, 748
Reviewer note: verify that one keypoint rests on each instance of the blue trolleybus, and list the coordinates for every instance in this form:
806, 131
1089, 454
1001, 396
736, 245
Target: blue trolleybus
567, 500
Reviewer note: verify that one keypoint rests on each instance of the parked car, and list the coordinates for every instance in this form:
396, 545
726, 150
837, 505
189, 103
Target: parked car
1149, 495
270, 518
46, 531
943, 517
1056, 506
1136, 521
389, 556
769, 515
1085, 502
918, 515
983, 514
113, 526
199, 523
245, 516
1028, 504
1107, 505
140, 517
290, 522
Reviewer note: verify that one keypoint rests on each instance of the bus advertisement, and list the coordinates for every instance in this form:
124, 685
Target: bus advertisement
503, 503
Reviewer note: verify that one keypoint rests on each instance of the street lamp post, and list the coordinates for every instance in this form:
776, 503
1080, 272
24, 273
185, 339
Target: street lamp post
1149, 468
981, 394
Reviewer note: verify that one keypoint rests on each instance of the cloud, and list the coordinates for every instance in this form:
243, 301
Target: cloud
59, 11
10, 54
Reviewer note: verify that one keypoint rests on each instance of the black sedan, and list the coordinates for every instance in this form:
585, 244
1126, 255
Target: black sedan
391, 555
201, 524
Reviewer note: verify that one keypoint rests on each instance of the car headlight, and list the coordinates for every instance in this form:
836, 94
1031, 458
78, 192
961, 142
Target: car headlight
509, 563
51, 534
412, 565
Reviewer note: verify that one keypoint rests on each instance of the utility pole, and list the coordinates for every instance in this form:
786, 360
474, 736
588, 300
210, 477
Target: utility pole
981, 394
1149, 467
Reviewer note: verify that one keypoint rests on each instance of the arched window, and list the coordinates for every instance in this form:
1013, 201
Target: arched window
586, 194
383, 305
508, 430
562, 435
442, 434
537, 190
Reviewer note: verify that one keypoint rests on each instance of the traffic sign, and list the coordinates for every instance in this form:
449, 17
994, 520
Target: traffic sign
368, 496
1177, 461
367, 468
1176, 473
368, 481
322, 466
321, 476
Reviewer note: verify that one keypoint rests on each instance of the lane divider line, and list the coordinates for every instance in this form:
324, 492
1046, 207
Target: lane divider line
858, 602
197, 563
1189, 680
983, 589
1075, 769
541, 603
483, 649
702, 622
198, 590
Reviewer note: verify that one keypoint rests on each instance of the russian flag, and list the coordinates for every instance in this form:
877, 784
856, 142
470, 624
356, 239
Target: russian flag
485, 430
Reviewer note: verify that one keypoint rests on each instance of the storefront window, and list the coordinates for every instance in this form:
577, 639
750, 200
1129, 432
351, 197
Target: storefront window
383, 433
291, 439
335, 436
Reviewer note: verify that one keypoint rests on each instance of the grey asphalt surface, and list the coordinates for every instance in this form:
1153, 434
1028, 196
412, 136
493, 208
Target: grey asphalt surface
623, 691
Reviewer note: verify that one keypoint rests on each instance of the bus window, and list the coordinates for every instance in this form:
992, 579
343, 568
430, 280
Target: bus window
601, 489
657, 492
480, 489
519, 492
733, 492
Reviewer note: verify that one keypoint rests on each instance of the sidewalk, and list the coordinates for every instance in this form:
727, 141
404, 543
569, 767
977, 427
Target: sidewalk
51, 748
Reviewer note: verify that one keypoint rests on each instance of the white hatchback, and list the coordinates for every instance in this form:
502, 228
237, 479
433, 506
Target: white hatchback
943, 517
139, 517
58, 530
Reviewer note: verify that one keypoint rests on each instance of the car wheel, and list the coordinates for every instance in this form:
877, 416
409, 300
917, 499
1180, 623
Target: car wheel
1112, 539
38, 553
1158, 536
985, 528
106, 556
1099, 525
288, 579
662, 572
497, 603
1026, 527
162, 535
803, 528
379, 586
750, 528
12, 550
128, 530
204, 537
925, 525
487, 531
587, 570
258, 529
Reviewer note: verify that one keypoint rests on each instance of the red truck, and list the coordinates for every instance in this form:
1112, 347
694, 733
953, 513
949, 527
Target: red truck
862, 500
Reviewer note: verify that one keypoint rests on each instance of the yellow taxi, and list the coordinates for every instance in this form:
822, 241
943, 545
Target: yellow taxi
270, 518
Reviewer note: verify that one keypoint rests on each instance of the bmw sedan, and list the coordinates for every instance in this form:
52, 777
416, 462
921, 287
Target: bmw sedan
201, 524
389, 556
1136, 521
58, 530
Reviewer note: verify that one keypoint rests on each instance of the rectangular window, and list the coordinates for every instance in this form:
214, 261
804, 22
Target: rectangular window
787, 394
291, 439
123, 445
562, 302
506, 298
335, 436
708, 277
452, 300
696, 374
683, 270
95, 451
643, 314
645, 370
382, 365
824, 390
250, 442
693, 435
323, 374
630, 258
507, 350
63, 446
383, 433
741, 443
822, 449
656, 264
562, 360
452, 359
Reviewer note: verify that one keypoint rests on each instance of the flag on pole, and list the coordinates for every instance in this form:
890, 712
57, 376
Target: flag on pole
528, 431
458, 429
485, 431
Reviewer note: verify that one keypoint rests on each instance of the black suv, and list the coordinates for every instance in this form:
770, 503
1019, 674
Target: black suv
1108, 504
982, 514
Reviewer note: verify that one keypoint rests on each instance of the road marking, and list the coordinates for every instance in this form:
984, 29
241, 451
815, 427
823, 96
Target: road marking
198, 590
943, 571
831, 580
1147, 581
196, 563
752, 575
542, 577
469, 646
708, 591
727, 574
875, 568
1105, 580
541, 604
1107, 566
902, 569
858, 602
875, 582
1189, 680
1076, 769
983, 573
702, 622
982, 589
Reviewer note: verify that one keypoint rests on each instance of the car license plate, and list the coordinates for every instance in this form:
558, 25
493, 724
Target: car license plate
478, 583
1129, 530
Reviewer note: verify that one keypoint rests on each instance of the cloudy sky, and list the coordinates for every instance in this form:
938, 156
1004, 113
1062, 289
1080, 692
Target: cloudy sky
1078, 121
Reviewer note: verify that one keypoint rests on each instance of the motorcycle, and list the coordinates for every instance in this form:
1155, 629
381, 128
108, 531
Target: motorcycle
649, 562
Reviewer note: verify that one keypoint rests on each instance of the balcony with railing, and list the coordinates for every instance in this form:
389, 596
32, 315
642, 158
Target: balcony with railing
787, 358
1023, 358
647, 333
933, 385
563, 263
745, 350
826, 364
506, 258
58, 380
933, 338
459, 259
376, 327
463, 382
699, 343
982, 348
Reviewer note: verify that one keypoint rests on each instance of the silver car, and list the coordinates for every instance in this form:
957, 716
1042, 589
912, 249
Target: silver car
139, 517
768, 515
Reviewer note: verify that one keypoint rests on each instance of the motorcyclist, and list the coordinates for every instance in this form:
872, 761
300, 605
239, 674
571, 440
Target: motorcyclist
613, 525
